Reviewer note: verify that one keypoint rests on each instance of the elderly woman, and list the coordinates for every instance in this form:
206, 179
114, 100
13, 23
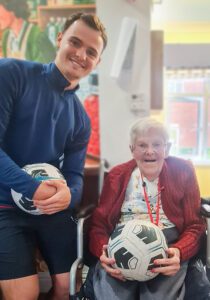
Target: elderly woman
155, 187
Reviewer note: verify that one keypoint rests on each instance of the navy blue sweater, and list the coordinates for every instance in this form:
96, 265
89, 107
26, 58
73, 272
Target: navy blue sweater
40, 122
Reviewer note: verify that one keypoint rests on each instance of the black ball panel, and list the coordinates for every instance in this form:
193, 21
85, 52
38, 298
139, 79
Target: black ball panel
117, 232
145, 233
151, 263
123, 259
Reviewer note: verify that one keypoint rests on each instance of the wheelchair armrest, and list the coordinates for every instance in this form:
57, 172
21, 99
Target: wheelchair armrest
85, 212
205, 207
81, 214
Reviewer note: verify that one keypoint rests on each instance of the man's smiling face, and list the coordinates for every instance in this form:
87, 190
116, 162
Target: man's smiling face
149, 151
79, 51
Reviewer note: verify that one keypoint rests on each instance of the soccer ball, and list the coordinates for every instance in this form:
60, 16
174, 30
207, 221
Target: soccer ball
134, 246
40, 172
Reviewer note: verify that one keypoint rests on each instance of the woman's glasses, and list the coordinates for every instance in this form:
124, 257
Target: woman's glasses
156, 147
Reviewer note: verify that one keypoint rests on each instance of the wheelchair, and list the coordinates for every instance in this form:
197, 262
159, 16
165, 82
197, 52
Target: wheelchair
198, 275
82, 259
82, 213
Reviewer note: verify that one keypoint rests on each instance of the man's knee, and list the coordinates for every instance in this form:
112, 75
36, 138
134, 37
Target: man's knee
61, 286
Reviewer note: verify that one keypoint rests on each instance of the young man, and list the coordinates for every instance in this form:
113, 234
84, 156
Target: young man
42, 120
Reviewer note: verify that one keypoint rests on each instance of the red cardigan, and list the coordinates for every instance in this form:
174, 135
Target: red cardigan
180, 201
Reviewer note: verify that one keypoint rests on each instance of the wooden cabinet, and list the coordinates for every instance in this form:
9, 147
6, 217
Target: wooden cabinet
91, 181
46, 12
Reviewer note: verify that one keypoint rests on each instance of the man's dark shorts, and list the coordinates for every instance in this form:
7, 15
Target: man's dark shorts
21, 234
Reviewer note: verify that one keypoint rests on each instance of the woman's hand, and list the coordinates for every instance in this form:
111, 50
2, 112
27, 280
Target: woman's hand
170, 265
107, 263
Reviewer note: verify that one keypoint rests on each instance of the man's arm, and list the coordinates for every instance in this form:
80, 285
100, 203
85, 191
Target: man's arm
69, 195
75, 154
14, 178
11, 175
73, 170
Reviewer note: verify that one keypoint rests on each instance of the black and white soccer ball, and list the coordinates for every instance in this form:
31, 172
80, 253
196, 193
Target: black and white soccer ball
40, 172
134, 246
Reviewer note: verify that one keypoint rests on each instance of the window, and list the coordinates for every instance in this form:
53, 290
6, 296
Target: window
188, 113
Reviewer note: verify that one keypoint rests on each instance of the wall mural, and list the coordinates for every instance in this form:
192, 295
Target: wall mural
21, 38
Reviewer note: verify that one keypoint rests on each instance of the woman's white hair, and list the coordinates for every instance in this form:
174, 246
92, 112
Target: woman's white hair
143, 126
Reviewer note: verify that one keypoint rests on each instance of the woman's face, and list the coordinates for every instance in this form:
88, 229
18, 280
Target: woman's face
149, 151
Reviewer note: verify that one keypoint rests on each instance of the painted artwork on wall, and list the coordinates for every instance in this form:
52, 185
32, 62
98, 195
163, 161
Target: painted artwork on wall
21, 38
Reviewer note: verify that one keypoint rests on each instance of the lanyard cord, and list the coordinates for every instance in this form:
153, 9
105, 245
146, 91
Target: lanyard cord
157, 210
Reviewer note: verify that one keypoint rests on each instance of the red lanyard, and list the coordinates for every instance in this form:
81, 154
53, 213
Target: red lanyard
157, 210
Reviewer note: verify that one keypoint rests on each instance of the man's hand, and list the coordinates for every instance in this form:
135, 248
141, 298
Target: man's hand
107, 263
57, 201
44, 191
168, 266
